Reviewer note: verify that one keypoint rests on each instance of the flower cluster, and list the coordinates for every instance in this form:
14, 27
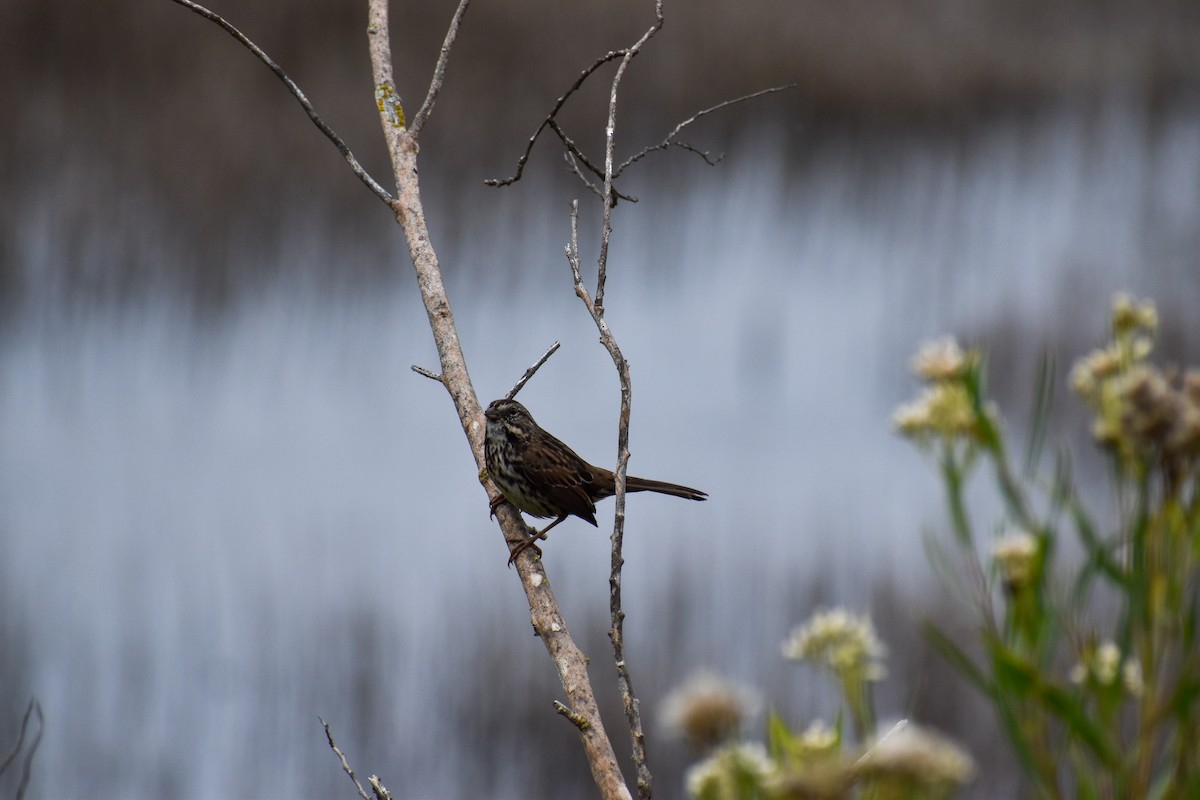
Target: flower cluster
1101, 664
818, 761
728, 770
945, 408
1149, 417
846, 643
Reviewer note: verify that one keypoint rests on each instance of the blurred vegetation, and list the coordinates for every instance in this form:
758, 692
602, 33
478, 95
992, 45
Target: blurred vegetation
1085, 639
851, 758
1085, 632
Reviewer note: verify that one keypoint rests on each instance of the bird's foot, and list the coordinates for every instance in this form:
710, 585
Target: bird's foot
496, 502
531, 542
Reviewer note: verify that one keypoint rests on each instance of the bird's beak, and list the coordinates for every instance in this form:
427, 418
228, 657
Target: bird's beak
491, 413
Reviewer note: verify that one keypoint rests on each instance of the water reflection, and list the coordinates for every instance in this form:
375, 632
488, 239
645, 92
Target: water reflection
215, 531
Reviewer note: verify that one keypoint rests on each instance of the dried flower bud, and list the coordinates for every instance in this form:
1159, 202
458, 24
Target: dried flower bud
1129, 315
707, 709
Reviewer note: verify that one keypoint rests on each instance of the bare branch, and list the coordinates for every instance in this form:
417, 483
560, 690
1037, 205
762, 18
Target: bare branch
616, 631
544, 612
439, 71
573, 165
356, 167
433, 376
670, 140
574, 150
530, 372
591, 187
578, 721
34, 708
552, 117
573, 259
609, 148
381, 792
345, 764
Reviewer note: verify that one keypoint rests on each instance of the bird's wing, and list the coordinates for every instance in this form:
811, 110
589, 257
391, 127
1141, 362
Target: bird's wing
567, 479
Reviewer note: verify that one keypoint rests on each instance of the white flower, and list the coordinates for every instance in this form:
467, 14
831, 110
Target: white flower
944, 408
1131, 676
818, 738
727, 771
844, 642
940, 360
1103, 664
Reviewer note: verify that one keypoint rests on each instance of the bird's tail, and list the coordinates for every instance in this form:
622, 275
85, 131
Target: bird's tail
646, 485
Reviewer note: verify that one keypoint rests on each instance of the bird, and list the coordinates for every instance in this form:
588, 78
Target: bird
540, 475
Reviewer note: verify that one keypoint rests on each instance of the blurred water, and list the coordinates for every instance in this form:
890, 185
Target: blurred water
214, 531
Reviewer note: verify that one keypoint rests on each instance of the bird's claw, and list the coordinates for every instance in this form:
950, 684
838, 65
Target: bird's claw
529, 543
494, 504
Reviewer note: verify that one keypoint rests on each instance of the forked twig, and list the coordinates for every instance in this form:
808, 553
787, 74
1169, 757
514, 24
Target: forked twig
342, 147
552, 117
670, 140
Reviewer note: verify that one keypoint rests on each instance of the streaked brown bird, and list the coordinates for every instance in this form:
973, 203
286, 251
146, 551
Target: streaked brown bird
543, 477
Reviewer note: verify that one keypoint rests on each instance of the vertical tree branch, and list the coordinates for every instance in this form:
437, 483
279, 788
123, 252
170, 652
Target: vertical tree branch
595, 307
547, 620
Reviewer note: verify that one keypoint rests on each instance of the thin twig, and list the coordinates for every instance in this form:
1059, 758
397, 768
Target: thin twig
428, 373
574, 150
381, 792
609, 149
27, 766
356, 167
578, 720
573, 259
20, 737
439, 71
892, 731
34, 708
616, 633
529, 372
345, 764
573, 165
670, 141
552, 116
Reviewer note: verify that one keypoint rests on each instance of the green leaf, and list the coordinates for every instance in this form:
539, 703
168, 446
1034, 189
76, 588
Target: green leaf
780, 741
1042, 401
